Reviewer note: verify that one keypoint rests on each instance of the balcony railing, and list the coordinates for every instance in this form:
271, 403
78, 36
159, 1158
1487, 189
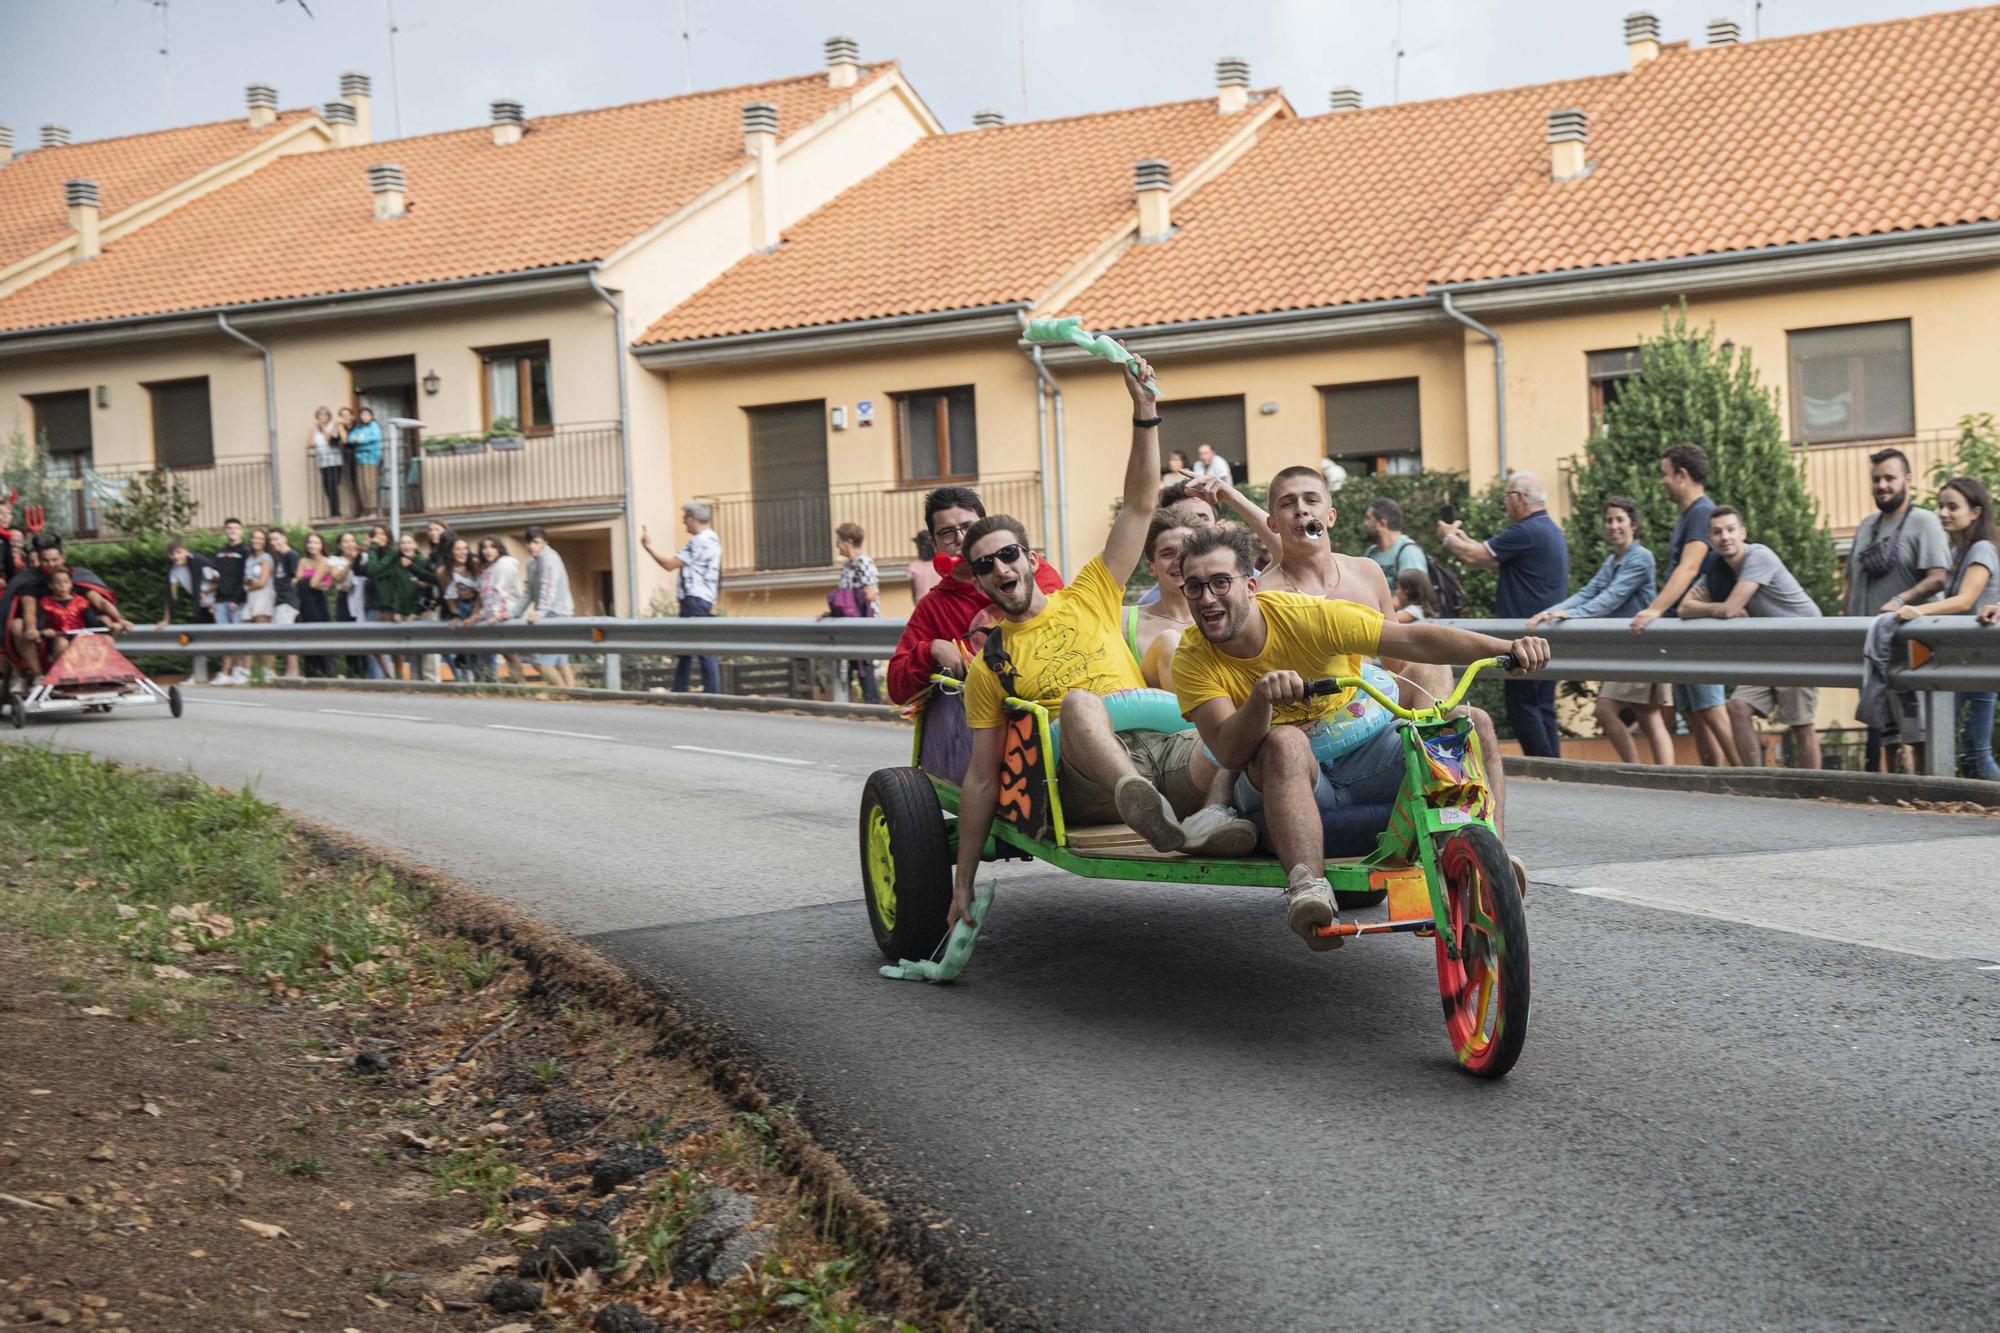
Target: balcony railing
232, 488
1837, 474
765, 533
569, 465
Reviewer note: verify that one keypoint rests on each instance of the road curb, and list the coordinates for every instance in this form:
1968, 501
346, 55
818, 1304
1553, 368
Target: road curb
745, 703
1793, 783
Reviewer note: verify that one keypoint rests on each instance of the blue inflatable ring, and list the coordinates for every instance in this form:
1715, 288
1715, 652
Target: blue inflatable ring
1358, 721
1131, 710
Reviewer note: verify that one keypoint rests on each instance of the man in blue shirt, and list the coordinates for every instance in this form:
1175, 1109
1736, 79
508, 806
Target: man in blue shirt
1684, 477
1532, 559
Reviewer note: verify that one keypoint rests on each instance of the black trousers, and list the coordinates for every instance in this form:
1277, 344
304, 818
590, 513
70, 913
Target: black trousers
1531, 712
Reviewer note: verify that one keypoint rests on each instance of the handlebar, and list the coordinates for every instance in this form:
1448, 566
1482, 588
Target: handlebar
1335, 684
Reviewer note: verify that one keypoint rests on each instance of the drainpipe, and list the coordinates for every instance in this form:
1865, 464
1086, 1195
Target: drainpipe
1042, 450
1048, 382
624, 452
1499, 374
270, 407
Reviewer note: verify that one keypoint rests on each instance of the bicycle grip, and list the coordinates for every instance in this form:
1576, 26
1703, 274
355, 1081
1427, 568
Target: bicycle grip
1326, 685
1504, 661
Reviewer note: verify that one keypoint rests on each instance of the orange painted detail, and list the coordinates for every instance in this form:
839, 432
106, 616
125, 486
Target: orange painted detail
1409, 895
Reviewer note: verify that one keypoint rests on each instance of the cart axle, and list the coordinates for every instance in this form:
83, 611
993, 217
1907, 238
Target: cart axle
1347, 928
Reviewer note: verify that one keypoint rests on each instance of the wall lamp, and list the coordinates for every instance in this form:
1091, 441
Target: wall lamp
431, 383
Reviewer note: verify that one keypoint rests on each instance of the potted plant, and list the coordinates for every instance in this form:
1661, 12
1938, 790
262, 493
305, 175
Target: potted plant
505, 433
468, 444
437, 444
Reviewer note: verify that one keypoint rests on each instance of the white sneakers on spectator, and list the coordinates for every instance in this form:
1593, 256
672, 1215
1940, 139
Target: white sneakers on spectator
238, 676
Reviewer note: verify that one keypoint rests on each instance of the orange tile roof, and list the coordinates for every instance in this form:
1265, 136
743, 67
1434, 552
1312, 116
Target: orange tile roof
980, 218
128, 171
1348, 206
573, 190
1848, 132
1851, 132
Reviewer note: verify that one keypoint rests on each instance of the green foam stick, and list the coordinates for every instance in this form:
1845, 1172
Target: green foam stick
1069, 329
957, 951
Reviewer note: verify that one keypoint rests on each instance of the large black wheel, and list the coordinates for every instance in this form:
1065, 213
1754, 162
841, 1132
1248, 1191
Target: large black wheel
1484, 989
174, 703
906, 863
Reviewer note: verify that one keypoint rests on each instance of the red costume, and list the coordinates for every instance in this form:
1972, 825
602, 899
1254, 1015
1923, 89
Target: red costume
946, 612
64, 616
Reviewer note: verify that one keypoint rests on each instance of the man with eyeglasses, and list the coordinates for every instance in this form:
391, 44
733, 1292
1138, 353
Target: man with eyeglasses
1066, 651
1531, 556
1241, 673
934, 637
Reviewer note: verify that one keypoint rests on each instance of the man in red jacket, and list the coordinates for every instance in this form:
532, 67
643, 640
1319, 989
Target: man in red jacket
931, 638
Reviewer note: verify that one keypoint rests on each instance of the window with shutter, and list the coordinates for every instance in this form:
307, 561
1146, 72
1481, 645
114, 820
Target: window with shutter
1852, 382
1374, 427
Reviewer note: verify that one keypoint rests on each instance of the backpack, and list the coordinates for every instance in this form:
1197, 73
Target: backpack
1450, 590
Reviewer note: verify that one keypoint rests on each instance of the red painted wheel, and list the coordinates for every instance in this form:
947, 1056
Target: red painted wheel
1484, 989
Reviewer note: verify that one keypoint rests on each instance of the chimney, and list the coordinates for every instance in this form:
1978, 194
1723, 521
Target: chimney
1345, 98
386, 180
986, 118
843, 62
1569, 134
354, 91
55, 136
1724, 32
760, 141
1151, 183
6, 144
83, 200
508, 123
339, 117
1642, 37
262, 99
1232, 84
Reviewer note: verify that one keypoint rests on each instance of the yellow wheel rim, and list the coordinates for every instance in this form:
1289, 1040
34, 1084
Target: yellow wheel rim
881, 867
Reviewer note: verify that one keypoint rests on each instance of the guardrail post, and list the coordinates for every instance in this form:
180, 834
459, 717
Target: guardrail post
1940, 734
614, 678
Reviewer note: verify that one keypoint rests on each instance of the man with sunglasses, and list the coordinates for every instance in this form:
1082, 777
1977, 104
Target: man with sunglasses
1241, 673
1066, 651
933, 639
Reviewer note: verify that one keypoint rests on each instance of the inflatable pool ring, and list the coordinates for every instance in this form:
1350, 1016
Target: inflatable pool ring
1130, 710
1357, 721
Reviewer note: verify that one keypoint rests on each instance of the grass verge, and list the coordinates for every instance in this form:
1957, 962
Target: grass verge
325, 1081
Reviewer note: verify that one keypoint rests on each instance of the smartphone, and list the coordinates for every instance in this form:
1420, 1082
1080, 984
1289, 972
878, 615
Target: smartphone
1447, 513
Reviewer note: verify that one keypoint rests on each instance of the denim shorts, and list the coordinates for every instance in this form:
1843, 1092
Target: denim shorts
1694, 698
226, 614
1369, 774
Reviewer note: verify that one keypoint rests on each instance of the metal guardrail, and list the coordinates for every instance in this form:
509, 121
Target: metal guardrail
1943, 652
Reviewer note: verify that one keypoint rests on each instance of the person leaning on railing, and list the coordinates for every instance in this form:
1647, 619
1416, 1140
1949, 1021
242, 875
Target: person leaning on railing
1966, 511
1624, 585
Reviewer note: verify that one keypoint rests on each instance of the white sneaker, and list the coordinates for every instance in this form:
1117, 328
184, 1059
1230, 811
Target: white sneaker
1309, 905
223, 678
1142, 807
240, 676
1217, 830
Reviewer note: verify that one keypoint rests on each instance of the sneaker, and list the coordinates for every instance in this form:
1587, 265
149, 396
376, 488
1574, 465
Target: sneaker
1142, 807
1520, 875
1309, 905
222, 678
1217, 830
240, 676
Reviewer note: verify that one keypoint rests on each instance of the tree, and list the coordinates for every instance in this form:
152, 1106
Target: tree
1976, 453
24, 474
152, 502
1689, 389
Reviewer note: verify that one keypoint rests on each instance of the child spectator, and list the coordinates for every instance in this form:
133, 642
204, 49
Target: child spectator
1416, 598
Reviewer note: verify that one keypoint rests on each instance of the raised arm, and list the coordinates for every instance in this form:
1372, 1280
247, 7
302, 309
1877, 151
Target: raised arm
670, 563
1219, 493
1465, 548
1142, 476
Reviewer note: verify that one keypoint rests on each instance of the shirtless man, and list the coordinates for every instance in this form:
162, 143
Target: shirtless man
1301, 514
1154, 628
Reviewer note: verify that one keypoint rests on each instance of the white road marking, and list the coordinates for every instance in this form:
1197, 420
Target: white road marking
1990, 967
1761, 923
392, 717
743, 754
550, 731
226, 703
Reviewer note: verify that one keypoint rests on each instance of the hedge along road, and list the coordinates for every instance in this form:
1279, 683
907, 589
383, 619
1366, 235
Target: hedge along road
1149, 1107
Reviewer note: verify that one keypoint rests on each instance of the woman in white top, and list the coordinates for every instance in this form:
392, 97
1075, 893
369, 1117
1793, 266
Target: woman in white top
500, 594
328, 443
260, 594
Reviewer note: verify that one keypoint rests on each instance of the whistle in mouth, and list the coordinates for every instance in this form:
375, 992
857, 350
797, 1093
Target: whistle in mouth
1315, 529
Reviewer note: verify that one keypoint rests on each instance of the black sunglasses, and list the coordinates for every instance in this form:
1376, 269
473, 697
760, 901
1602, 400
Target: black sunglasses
1006, 555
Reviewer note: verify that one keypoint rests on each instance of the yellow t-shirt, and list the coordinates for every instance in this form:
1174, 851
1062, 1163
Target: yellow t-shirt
1309, 635
1076, 642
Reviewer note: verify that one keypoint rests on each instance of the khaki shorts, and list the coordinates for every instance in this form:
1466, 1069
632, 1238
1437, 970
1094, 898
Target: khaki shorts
1162, 759
1787, 705
1636, 692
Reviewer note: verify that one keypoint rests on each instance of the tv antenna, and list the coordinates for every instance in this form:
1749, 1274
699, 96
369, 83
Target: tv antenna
1398, 53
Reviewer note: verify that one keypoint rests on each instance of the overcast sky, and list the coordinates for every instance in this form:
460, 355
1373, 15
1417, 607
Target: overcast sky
95, 65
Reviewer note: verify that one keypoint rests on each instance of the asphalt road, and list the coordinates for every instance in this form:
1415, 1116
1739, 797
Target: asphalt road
1762, 1088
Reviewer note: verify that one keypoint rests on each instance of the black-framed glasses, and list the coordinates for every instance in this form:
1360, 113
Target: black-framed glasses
1218, 586
950, 530
1006, 555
